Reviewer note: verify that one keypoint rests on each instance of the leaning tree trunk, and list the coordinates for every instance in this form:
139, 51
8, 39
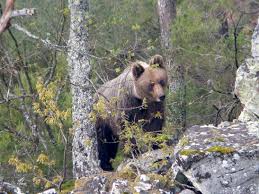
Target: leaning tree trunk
167, 14
85, 160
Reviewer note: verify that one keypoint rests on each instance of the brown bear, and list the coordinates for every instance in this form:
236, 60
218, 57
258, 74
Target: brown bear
127, 91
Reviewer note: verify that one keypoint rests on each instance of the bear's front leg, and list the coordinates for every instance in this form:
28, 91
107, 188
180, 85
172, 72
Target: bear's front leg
107, 147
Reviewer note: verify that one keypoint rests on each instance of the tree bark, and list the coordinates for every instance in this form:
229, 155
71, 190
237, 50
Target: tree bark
85, 160
167, 14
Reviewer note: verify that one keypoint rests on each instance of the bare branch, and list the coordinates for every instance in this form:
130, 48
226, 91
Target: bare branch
8, 99
46, 42
23, 12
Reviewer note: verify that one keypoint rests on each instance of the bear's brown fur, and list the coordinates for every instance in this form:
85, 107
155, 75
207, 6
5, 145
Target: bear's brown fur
127, 91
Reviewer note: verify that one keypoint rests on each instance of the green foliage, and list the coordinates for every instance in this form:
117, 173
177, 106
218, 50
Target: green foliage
132, 136
67, 187
6, 144
207, 55
121, 31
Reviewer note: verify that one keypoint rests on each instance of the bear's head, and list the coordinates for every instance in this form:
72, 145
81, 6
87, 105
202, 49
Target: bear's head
150, 80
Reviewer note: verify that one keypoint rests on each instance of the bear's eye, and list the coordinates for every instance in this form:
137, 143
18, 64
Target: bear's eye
150, 86
162, 82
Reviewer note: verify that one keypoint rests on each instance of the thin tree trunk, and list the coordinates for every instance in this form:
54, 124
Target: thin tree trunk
167, 14
85, 160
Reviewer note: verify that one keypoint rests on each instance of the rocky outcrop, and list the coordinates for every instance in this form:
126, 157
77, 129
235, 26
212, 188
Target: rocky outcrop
220, 160
92, 184
150, 173
247, 82
9, 188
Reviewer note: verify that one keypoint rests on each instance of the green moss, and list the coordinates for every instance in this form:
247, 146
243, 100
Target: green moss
67, 187
184, 141
188, 152
221, 149
128, 174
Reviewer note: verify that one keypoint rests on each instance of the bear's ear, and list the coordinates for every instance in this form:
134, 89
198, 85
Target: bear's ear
137, 70
157, 61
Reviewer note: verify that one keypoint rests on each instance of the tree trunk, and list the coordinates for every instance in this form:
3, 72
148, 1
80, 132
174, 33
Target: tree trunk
85, 160
167, 14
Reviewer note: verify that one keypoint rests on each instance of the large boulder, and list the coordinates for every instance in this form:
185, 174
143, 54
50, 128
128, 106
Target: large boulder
150, 173
220, 160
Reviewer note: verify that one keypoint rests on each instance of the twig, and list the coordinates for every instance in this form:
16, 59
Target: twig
17, 134
21, 59
14, 98
134, 158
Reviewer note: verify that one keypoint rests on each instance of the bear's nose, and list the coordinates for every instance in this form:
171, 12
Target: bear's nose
162, 98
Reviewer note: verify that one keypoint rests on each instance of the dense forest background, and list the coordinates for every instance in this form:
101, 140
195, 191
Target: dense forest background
210, 39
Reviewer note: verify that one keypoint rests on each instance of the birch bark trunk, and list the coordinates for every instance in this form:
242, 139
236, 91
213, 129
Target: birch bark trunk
85, 160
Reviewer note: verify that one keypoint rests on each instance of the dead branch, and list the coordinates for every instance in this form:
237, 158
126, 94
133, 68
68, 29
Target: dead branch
8, 99
45, 42
5, 19
23, 12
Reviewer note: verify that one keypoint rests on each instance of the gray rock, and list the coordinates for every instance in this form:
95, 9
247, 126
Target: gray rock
120, 186
220, 160
91, 184
9, 188
145, 163
142, 187
144, 178
247, 82
161, 191
224, 124
49, 191
187, 191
